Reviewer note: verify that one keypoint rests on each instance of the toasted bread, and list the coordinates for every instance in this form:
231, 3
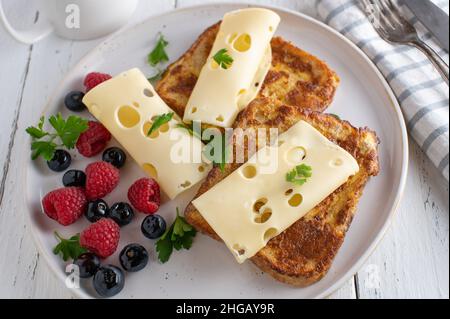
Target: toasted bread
296, 77
304, 253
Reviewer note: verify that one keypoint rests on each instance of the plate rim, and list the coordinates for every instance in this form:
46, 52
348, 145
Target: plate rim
81, 293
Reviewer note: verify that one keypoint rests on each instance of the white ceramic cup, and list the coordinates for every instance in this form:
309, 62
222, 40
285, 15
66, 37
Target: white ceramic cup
75, 19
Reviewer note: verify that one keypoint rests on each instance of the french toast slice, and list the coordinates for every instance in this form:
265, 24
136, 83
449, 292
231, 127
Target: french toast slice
303, 254
296, 77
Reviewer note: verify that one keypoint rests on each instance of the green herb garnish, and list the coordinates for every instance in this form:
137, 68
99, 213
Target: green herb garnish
159, 121
66, 131
223, 59
68, 248
180, 235
159, 53
299, 175
155, 78
190, 129
212, 146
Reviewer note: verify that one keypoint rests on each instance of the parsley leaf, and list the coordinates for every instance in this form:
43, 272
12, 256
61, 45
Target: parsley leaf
67, 131
159, 121
299, 175
221, 159
179, 236
68, 248
156, 77
223, 59
159, 53
190, 129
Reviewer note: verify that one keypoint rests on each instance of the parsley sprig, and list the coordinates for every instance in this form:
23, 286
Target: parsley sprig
66, 131
180, 235
299, 175
159, 121
68, 248
159, 54
223, 59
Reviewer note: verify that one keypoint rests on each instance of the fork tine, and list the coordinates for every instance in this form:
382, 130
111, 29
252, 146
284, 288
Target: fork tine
396, 9
385, 15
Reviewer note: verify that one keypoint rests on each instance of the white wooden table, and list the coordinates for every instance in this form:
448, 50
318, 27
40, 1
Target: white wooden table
412, 261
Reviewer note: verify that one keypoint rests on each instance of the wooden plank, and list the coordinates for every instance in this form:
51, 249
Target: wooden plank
24, 273
412, 261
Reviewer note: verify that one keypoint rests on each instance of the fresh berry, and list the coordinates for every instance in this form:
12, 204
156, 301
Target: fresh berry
101, 179
115, 156
95, 78
74, 178
121, 213
97, 210
153, 226
109, 281
145, 196
101, 238
88, 264
133, 257
94, 140
60, 161
74, 101
65, 205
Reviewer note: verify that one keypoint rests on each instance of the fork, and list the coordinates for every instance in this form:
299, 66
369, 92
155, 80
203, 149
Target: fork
387, 20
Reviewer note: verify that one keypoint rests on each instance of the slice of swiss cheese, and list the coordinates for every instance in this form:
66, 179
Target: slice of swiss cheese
248, 208
126, 105
220, 94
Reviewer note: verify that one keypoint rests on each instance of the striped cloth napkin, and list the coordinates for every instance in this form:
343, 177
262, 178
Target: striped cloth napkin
423, 95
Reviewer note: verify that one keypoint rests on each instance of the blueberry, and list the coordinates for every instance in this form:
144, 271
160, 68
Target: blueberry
74, 178
153, 226
74, 101
121, 213
133, 257
88, 264
60, 161
115, 156
109, 281
97, 210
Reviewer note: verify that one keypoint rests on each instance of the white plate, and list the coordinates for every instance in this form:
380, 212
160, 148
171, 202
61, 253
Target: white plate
208, 270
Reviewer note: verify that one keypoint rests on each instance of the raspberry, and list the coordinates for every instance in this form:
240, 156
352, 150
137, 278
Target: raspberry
65, 205
101, 179
95, 78
145, 196
94, 140
101, 238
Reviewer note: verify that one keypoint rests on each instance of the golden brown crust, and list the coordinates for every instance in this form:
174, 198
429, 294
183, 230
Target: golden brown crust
304, 253
296, 77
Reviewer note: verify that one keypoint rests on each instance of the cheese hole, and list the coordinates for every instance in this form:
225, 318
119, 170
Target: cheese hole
259, 203
280, 143
296, 155
271, 29
214, 65
232, 37
164, 128
186, 184
150, 170
136, 104
296, 200
194, 110
264, 217
270, 233
337, 162
128, 116
148, 93
289, 192
249, 171
220, 118
243, 91
201, 168
243, 43
146, 127
239, 250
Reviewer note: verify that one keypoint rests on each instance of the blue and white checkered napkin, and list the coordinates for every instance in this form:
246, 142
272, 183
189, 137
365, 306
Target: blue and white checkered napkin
423, 95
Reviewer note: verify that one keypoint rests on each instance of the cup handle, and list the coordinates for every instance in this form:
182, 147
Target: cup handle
40, 30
